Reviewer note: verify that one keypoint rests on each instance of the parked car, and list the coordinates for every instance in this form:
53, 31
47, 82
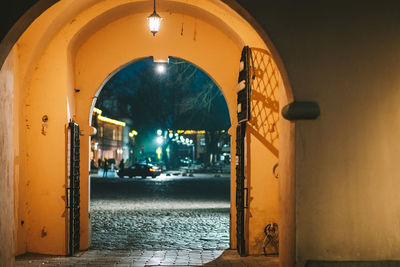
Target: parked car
140, 169
185, 161
197, 165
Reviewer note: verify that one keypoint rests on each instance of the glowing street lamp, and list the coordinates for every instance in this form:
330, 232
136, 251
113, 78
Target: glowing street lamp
154, 21
133, 133
160, 140
160, 68
159, 152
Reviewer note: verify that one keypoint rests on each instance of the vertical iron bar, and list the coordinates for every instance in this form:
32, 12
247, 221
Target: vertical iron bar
240, 198
74, 192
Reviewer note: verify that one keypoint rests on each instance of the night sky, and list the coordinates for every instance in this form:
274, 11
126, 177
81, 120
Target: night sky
182, 97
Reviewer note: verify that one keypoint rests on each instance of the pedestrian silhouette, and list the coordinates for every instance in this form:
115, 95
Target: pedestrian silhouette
121, 165
105, 172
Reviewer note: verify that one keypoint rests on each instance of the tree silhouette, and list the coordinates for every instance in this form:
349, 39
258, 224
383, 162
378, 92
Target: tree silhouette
183, 97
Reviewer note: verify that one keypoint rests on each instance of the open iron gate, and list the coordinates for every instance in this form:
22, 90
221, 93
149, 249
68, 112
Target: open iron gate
73, 192
258, 114
243, 113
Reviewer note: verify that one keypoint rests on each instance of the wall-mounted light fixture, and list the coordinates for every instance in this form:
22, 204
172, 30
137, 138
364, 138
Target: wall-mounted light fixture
301, 110
154, 20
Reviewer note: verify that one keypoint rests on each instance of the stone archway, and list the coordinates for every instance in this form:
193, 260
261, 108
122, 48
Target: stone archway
76, 51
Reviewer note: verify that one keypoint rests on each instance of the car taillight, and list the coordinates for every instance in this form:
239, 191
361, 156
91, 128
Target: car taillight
152, 170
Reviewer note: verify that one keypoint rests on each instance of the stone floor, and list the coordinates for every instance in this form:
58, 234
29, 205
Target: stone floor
145, 225
166, 213
143, 258
167, 221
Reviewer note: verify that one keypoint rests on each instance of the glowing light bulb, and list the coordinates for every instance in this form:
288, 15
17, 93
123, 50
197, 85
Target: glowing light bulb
160, 68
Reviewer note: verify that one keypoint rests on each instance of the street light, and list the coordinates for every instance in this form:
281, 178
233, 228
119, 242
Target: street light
133, 133
160, 140
160, 68
154, 20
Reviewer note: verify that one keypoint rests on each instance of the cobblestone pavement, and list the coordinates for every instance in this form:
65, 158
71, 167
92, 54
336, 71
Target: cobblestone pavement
167, 221
140, 258
160, 214
119, 225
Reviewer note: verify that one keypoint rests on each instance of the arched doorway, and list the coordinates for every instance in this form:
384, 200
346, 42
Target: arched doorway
186, 206
76, 55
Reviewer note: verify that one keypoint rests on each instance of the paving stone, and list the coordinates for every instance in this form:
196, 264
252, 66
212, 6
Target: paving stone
140, 223
138, 231
151, 258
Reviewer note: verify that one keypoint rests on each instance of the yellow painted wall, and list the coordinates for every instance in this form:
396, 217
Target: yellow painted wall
7, 184
78, 44
263, 193
46, 152
262, 145
20, 197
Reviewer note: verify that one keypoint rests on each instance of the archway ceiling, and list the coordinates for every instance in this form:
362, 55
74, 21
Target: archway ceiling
79, 19
214, 13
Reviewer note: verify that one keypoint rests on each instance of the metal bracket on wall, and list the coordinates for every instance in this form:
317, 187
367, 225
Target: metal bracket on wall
301, 111
275, 170
68, 190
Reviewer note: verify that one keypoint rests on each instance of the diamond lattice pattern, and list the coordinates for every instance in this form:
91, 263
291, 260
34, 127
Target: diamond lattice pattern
264, 96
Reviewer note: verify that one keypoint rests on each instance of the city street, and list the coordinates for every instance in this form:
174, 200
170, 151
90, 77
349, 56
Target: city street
166, 213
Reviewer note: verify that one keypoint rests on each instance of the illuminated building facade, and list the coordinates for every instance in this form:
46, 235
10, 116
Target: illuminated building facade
107, 142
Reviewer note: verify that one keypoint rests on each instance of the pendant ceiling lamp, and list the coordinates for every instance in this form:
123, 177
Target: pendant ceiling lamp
154, 20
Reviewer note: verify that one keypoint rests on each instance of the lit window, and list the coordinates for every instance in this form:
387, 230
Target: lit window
203, 142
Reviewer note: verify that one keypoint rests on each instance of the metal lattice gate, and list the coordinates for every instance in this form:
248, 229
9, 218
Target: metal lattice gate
73, 192
243, 113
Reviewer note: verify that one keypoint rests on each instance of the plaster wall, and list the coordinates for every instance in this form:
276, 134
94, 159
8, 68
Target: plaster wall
6, 163
81, 46
45, 161
345, 56
20, 200
44, 83
263, 194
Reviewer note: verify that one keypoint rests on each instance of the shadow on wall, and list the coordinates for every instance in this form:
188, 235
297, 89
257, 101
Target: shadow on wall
264, 99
